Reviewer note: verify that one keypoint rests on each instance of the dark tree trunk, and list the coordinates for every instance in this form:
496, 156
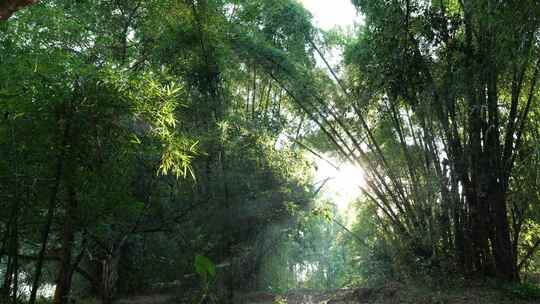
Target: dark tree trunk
6, 285
506, 269
109, 276
50, 211
15, 253
8, 7
10, 284
63, 280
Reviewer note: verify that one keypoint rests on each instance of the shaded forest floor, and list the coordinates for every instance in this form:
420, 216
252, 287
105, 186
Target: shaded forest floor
390, 293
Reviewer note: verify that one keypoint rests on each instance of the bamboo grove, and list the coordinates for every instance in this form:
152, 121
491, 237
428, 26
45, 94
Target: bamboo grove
136, 135
439, 105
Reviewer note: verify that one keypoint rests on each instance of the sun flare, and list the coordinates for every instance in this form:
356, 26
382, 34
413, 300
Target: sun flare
344, 181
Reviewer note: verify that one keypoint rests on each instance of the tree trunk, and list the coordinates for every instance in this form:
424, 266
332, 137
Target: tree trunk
10, 284
50, 211
506, 269
63, 280
8, 7
3, 249
109, 276
6, 286
15, 253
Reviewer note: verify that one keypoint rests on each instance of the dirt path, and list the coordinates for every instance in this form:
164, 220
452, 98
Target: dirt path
304, 296
390, 293
301, 296
148, 299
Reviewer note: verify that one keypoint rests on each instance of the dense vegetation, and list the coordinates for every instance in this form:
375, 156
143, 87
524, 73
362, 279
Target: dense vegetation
169, 145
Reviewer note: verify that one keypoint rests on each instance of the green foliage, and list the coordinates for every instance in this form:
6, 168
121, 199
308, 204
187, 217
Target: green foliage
313, 252
155, 131
525, 291
204, 268
418, 70
280, 300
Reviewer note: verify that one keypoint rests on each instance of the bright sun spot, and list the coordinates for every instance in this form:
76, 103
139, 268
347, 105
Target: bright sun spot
344, 182
329, 13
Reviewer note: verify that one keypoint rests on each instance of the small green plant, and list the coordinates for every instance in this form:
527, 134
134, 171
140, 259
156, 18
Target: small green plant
206, 270
280, 300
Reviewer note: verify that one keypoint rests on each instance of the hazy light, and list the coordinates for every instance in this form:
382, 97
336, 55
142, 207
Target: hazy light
344, 182
46, 290
330, 13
